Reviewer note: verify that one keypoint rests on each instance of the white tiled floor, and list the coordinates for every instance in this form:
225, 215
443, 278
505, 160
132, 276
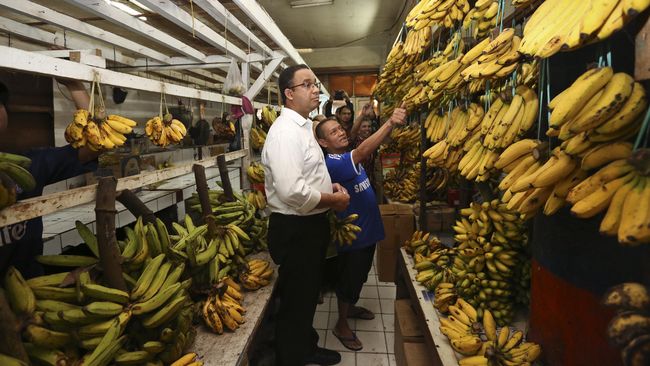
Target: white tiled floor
377, 335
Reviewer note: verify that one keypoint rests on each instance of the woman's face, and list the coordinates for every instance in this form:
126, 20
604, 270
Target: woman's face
345, 115
365, 129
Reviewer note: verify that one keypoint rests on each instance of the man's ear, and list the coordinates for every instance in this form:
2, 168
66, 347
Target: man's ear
286, 93
322, 142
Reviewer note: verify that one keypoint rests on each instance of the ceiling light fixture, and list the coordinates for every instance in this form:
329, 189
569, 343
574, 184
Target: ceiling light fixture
308, 3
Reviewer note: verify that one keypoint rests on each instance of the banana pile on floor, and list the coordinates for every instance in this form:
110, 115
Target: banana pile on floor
343, 231
269, 114
560, 25
491, 248
14, 176
255, 172
257, 274
165, 130
482, 18
98, 131
629, 329
492, 59
258, 137
441, 13
223, 309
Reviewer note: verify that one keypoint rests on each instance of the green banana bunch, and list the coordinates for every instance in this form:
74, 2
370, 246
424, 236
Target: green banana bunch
13, 174
20, 296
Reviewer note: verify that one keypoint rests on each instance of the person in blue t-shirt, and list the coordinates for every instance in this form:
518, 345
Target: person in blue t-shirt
355, 260
22, 241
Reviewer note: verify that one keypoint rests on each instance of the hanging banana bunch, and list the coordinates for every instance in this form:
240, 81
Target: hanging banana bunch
482, 17
494, 59
441, 13
559, 25
13, 176
343, 231
95, 129
269, 114
164, 129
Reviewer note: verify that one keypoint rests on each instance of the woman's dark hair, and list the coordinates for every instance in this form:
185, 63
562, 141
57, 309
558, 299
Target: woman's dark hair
284, 80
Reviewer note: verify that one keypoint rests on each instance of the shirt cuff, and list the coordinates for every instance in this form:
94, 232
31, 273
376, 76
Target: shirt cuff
312, 202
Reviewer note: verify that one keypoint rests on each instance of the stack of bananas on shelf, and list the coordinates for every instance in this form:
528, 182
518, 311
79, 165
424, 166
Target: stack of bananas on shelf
492, 59
343, 231
14, 177
630, 327
622, 190
255, 172
257, 275
559, 25
223, 308
421, 243
484, 16
165, 130
490, 247
97, 132
401, 184
257, 199
503, 347
445, 296
600, 106
397, 74
258, 137
462, 327
190, 359
441, 13
269, 114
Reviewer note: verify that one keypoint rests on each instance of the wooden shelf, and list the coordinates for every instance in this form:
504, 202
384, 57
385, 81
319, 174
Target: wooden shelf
231, 348
46, 204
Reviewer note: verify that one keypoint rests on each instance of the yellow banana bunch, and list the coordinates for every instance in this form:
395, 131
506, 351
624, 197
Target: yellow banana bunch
343, 231
98, 133
165, 130
190, 359
559, 25
440, 13
483, 16
257, 275
622, 190
494, 59
258, 137
255, 172
257, 199
421, 245
437, 181
462, 328
397, 77
269, 114
223, 309
417, 41
522, 3
445, 296
402, 183
503, 348
13, 175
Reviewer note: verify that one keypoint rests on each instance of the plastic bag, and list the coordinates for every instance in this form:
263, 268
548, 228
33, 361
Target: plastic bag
234, 84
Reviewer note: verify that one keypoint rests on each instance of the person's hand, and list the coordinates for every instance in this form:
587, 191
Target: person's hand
341, 201
398, 118
336, 187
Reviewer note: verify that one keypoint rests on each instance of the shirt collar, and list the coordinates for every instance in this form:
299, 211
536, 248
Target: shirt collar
294, 116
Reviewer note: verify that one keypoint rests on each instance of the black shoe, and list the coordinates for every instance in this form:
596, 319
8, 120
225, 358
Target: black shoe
323, 356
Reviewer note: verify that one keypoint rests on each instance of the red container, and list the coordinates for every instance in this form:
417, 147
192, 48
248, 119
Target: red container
453, 197
258, 187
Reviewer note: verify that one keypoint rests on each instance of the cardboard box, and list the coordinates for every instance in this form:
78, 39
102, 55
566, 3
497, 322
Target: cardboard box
399, 224
440, 218
417, 354
407, 329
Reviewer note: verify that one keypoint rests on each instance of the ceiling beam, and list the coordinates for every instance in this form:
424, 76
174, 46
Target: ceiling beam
264, 21
261, 80
183, 19
19, 60
131, 23
219, 13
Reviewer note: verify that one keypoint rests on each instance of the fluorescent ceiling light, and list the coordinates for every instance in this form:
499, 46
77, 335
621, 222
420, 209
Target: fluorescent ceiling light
307, 3
124, 8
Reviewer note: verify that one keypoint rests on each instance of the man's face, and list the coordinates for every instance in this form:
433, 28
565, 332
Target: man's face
335, 138
302, 94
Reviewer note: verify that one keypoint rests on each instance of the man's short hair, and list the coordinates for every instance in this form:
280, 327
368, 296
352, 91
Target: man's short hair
284, 81
4, 94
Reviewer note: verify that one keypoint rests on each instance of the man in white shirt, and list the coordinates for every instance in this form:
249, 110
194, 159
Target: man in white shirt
299, 193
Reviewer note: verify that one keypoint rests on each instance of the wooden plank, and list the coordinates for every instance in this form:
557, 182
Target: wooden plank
262, 79
642, 53
435, 339
231, 348
43, 205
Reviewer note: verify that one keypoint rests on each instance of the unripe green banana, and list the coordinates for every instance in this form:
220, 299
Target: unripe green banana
23, 161
146, 277
20, 295
54, 305
100, 292
102, 327
47, 280
157, 282
103, 308
63, 260
6, 360
153, 347
157, 300
166, 313
88, 237
20, 175
45, 356
43, 337
90, 344
132, 358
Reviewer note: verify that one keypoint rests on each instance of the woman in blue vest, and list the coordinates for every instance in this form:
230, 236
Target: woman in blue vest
355, 260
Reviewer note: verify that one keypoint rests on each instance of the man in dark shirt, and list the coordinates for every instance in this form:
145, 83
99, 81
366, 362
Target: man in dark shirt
22, 241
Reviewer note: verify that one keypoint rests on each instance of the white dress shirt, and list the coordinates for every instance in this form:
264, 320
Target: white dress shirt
294, 166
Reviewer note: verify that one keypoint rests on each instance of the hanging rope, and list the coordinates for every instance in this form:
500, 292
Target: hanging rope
192, 11
643, 131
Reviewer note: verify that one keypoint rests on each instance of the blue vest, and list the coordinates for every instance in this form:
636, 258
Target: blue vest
362, 200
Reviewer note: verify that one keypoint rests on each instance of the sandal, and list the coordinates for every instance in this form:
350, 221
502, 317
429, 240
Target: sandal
358, 312
347, 342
